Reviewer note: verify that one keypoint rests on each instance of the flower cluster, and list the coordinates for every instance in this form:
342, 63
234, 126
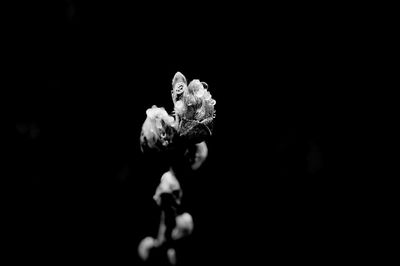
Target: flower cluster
193, 110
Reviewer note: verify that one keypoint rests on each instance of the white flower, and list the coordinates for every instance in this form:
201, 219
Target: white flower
158, 129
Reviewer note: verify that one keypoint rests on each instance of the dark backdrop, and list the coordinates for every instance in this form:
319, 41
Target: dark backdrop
88, 72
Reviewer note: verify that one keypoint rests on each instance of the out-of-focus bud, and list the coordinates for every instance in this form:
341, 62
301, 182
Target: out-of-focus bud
168, 185
197, 155
145, 246
171, 254
184, 226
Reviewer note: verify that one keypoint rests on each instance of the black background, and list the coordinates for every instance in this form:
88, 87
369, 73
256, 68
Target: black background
270, 188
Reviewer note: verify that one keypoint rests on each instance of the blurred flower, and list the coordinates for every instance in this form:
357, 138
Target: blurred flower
145, 246
168, 185
196, 154
184, 226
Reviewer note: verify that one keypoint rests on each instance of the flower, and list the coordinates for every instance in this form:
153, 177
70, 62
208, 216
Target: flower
158, 129
184, 226
194, 110
193, 106
197, 100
